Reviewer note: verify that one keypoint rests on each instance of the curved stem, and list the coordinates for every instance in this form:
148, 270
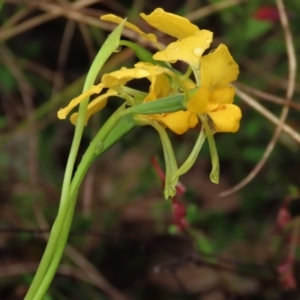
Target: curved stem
192, 157
215, 171
169, 156
48, 276
59, 233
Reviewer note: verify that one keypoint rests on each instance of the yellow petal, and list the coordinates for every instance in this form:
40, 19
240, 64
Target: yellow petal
170, 24
218, 69
115, 19
212, 106
140, 70
159, 88
179, 122
96, 105
190, 84
122, 76
227, 118
153, 69
198, 102
224, 95
95, 89
189, 49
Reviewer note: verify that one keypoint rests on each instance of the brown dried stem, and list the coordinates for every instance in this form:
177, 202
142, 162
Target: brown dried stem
289, 94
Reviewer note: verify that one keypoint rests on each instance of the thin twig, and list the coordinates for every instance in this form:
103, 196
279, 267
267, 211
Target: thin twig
17, 17
266, 96
53, 11
267, 114
26, 91
58, 80
86, 35
212, 8
289, 94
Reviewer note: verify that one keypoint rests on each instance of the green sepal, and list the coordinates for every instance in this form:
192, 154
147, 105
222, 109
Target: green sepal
163, 105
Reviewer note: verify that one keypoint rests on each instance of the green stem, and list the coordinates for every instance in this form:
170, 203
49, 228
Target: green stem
170, 161
67, 215
215, 171
95, 148
169, 156
59, 233
48, 277
192, 157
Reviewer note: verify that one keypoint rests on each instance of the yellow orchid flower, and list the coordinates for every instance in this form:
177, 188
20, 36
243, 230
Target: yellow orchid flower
179, 122
213, 72
159, 87
214, 97
218, 70
191, 41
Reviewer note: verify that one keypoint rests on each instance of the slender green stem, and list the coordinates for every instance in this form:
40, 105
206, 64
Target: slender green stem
170, 161
187, 74
95, 148
215, 171
66, 213
51, 248
48, 277
189, 162
169, 156
59, 233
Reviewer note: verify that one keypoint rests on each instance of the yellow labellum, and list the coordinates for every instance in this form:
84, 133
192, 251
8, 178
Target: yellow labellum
179, 122
226, 118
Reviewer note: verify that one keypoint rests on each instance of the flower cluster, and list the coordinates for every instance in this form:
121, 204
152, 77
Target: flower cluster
174, 100
213, 74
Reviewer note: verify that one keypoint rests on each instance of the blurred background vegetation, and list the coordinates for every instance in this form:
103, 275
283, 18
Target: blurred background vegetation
123, 243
